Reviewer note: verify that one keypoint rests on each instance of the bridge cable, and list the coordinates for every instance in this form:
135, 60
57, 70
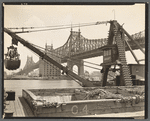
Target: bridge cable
84, 65
77, 62
50, 63
73, 70
63, 65
59, 69
49, 51
52, 52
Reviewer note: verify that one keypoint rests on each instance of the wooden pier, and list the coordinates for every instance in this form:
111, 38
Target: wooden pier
18, 107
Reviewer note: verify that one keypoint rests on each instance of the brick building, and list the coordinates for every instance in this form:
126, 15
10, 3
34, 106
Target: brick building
47, 69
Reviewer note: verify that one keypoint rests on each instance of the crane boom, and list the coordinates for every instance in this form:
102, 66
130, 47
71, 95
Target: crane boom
16, 38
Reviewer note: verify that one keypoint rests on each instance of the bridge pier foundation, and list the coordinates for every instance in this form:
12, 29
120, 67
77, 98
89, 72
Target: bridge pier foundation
79, 64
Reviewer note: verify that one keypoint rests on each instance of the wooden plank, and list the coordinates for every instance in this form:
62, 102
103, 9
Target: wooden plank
9, 110
23, 111
15, 112
9, 105
26, 107
18, 110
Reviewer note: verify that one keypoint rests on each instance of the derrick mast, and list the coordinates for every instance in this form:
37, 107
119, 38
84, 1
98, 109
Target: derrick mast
115, 55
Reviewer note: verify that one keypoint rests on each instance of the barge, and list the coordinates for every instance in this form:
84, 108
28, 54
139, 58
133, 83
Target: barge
75, 102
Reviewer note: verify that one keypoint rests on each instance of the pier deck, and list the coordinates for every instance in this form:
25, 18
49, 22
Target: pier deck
19, 107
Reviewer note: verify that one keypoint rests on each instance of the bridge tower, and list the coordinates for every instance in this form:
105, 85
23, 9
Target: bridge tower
29, 63
78, 62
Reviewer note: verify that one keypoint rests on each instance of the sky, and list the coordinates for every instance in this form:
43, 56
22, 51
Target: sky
132, 16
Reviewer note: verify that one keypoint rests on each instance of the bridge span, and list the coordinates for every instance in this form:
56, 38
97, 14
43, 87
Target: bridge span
79, 47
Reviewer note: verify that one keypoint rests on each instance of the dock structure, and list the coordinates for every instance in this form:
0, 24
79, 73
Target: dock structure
18, 108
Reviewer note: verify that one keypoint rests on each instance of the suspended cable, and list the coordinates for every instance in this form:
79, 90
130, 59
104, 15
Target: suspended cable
50, 63
92, 63
92, 67
52, 52
49, 29
57, 69
73, 70
75, 80
97, 23
63, 55
82, 24
78, 63
69, 75
47, 26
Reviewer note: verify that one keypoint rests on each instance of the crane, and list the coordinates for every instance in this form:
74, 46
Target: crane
116, 34
16, 38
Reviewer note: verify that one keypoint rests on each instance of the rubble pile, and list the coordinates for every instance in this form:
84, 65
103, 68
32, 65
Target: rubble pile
103, 94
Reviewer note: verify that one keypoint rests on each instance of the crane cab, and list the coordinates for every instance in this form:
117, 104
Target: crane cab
12, 61
110, 54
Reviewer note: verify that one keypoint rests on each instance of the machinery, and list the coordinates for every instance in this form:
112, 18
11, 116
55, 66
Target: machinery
114, 54
12, 61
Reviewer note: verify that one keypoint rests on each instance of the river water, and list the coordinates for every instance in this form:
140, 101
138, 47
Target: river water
18, 85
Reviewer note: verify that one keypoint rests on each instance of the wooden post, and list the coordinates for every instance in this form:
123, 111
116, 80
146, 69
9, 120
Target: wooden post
133, 40
132, 51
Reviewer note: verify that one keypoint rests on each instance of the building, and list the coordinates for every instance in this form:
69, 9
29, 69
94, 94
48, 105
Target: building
34, 73
138, 70
86, 75
95, 76
46, 69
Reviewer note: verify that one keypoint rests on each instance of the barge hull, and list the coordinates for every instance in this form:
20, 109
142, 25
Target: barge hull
64, 106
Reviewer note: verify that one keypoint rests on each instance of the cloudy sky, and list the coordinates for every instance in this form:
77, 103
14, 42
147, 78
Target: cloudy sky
132, 16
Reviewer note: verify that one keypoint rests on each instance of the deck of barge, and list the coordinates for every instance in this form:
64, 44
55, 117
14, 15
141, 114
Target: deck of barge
20, 108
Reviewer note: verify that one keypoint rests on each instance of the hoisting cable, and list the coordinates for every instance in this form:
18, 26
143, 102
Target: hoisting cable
49, 51
53, 55
73, 70
61, 58
47, 26
75, 80
96, 23
75, 61
58, 69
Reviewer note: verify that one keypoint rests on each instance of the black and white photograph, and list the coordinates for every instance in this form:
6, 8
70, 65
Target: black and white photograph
74, 61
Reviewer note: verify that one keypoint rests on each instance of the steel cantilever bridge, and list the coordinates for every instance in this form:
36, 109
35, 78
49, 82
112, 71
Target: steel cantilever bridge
78, 47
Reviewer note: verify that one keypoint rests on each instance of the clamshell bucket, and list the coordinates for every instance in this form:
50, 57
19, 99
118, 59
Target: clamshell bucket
12, 64
12, 61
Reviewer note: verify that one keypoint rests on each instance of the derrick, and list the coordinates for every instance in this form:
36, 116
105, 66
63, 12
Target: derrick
115, 55
16, 38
